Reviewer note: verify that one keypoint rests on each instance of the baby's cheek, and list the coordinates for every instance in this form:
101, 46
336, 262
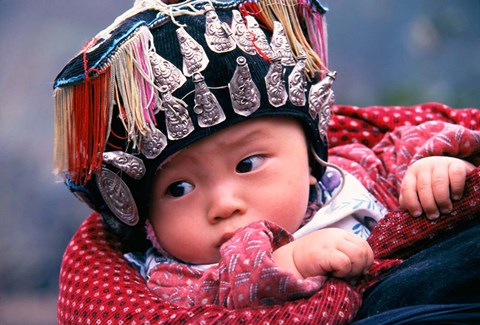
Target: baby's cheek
289, 217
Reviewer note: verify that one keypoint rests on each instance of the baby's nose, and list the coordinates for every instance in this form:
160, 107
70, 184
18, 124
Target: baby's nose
225, 202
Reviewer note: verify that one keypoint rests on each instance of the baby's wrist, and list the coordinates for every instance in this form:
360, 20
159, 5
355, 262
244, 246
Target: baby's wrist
283, 258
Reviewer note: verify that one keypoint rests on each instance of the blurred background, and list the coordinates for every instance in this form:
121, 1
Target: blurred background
386, 52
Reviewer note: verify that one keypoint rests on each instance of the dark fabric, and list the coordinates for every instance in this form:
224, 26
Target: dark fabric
427, 314
445, 273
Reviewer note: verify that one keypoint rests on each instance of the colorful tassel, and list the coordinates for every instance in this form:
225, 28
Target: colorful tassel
134, 86
295, 15
82, 119
83, 111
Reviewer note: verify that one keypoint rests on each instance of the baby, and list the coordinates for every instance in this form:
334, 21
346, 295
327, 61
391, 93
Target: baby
206, 134
254, 173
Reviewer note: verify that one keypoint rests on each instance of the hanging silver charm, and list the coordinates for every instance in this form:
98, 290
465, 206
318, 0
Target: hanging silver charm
297, 82
320, 99
217, 33
277, 94
166, 73
178, 122
280, 45
260, 39
241, 35
194, 57
129, 164
206, 106
153, 143
117, 196
244, 93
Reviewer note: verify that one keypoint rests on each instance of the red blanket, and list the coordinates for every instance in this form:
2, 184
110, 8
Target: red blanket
97, 284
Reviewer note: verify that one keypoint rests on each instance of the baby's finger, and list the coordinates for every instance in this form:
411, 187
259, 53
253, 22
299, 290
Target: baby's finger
359, 253
425, 195
340, 266
441, 189
408, 195
457, 173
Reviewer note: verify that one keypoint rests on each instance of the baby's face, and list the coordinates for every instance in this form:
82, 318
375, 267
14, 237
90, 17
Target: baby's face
256, 170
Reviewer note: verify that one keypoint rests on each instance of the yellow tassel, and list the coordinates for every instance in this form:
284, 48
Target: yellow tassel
135, 90
286, 12
62, 114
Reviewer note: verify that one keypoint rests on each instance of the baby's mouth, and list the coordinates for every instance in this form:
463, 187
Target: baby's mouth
225, 237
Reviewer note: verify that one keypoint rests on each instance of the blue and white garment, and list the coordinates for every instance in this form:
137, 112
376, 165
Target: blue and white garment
345, 203
146, 261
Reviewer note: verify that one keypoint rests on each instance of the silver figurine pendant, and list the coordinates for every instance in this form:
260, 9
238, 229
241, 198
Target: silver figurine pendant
241, 35
320, 99
261, 41
297, 82
217, 33
280, 45
194, 57
206, 106
277, 94
166, 73
153, 143
178, 121
244, 93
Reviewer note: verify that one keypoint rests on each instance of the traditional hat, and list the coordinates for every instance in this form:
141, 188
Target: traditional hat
165, 75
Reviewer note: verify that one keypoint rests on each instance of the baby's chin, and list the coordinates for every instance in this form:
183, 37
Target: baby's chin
204, 259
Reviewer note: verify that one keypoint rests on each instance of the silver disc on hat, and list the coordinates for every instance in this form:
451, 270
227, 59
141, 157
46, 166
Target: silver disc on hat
117, 196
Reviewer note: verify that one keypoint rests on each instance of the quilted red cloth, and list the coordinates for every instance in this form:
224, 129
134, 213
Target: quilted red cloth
98, 285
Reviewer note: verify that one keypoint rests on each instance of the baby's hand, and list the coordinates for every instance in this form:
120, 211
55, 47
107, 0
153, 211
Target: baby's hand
430, 184
328, 251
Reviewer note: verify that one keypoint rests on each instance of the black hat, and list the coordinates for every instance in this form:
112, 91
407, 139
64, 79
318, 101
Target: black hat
164, 76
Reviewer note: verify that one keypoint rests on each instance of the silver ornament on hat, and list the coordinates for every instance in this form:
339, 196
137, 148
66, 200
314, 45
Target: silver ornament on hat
244, 93
206, 106
241, 35
117, 196
166, 73
194, 57
320, 99
280, 45
217, 33
153, 143
260, 39
297, 81
277, 94
127, 163
178, 121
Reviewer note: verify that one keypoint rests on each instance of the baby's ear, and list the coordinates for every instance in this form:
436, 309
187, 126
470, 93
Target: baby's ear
312, 179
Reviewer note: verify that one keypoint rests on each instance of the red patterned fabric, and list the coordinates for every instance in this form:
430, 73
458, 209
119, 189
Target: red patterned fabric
367, 125
98, 285
246, 275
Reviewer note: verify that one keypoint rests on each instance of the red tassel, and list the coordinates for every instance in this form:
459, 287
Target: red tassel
87, 133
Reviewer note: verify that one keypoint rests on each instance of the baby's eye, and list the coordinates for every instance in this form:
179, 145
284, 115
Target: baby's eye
179, 189
249, 164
